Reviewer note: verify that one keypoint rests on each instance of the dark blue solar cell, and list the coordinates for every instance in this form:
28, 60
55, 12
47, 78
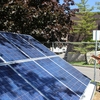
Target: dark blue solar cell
68, 67
44, 81
5, 97
13, 87
23, 45
1, 60
38, 45
8, 52
63, 75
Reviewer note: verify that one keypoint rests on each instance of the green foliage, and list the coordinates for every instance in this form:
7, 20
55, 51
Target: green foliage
98, 5
84, 47
85, 23
84, 7
84, 27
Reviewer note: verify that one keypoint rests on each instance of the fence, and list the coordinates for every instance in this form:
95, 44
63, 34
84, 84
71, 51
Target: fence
74, 51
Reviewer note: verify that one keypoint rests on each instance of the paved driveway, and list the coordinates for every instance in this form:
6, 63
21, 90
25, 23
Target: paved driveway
89, 72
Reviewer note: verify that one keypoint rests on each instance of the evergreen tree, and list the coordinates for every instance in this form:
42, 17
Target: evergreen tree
98, 8
83, 28
98, 5
85, 23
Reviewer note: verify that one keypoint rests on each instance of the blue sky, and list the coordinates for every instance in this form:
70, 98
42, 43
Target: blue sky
90, 3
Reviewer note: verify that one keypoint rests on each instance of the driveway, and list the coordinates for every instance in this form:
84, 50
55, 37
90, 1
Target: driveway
89, 72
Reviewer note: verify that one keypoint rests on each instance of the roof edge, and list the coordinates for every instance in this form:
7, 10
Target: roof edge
89, 92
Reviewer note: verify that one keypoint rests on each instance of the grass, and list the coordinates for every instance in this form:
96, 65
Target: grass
83, 64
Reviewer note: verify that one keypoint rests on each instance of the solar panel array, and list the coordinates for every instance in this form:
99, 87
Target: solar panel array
30, 71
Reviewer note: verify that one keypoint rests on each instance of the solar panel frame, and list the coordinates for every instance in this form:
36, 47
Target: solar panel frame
80, 84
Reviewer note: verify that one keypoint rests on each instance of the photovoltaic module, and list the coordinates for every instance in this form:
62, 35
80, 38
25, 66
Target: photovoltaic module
30, 71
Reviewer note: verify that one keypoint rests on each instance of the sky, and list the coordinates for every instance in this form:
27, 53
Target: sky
90, 3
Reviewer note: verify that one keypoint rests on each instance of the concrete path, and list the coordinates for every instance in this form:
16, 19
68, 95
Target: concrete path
89, 72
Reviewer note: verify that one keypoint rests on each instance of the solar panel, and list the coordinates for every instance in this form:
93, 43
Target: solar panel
69, 68
8, 51
30, 71
44, 81
24, 46
37, 45
63, 76
13, 87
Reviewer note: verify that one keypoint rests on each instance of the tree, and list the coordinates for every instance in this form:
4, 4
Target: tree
83, 27
40, 18
85, 23
98, 5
